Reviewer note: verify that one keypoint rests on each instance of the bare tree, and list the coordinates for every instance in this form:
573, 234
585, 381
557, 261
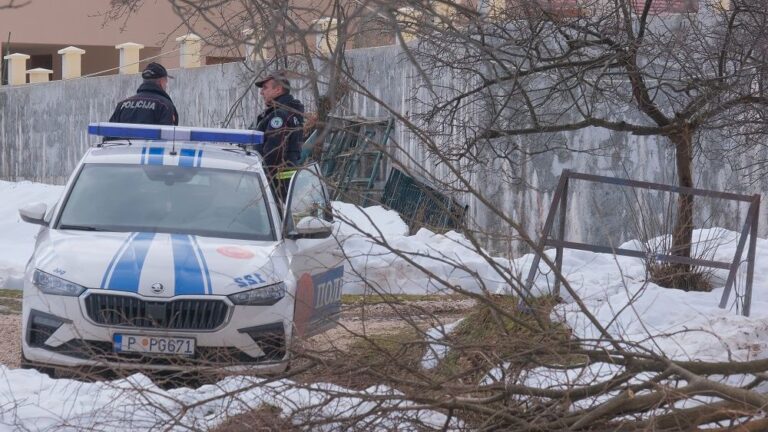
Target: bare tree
628, 66
521, 70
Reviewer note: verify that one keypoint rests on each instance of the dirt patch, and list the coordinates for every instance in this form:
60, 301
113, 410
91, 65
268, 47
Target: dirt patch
263, 419
10, 306
10, 322
361, 319
10, 341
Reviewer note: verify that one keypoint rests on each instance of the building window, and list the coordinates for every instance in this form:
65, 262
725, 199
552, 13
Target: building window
667, 6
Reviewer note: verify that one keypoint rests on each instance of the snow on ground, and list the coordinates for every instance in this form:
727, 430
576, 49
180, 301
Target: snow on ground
33, 402
437, 350
17, 237
684, 325
426, 263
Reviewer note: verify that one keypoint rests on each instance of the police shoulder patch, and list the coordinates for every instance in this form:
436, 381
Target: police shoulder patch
276, 122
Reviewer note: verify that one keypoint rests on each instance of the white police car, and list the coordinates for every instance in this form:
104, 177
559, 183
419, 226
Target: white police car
168, 250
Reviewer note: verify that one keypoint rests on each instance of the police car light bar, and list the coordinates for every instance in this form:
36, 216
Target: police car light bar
176, 133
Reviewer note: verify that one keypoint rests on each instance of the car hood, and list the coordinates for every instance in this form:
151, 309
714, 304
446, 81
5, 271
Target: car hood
159, 264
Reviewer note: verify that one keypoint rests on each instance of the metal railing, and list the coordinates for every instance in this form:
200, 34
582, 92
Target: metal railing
420, 204
560, 202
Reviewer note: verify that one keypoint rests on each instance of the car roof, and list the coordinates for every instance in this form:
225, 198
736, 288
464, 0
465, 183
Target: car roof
179, 153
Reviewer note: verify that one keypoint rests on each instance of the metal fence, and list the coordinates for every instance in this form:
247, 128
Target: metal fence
353, 159
560, 202
421, 205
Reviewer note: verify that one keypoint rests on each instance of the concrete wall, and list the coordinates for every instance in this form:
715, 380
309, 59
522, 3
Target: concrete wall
43, 134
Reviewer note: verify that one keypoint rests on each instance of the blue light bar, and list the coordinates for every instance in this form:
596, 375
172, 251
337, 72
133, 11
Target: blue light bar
176, 133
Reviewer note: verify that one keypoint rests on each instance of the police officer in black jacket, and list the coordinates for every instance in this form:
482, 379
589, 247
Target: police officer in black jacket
283, 125
151, 104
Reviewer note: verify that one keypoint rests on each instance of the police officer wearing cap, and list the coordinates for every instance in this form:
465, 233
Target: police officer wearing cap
282, 123
151, 104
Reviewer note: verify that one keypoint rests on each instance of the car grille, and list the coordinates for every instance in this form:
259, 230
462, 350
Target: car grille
126, 311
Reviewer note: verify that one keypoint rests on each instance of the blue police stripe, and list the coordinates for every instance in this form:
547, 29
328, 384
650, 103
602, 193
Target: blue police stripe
205, 265
128, 268
156, 155
115, 257
189, 276
199, 157
143, 155
187, 157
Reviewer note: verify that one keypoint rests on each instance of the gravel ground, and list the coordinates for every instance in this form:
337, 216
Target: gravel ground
10, 340
411, 309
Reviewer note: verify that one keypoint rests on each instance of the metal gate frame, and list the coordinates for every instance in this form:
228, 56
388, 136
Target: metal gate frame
560, 201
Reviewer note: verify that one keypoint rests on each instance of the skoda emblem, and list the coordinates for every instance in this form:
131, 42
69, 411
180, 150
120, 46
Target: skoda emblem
157, 288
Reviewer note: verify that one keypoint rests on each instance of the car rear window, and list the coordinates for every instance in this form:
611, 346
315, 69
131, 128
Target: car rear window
172, 199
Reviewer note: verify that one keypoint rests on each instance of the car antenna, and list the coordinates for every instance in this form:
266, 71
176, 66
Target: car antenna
173, 146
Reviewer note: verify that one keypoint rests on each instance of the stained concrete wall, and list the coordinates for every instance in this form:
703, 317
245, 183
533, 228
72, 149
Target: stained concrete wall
43, 134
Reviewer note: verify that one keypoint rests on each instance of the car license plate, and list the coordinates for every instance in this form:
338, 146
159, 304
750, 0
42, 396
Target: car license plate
154, 344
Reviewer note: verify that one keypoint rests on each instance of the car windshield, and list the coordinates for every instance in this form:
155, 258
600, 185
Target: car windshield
170, 199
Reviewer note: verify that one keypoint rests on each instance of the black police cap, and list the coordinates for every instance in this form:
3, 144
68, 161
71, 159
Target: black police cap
154, 71
278, 76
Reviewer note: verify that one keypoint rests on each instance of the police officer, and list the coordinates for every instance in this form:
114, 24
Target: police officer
283, 125
151, 104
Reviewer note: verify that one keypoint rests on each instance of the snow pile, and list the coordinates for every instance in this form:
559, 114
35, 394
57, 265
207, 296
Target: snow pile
376, 221
683, 325
35, 402
392, 261
17, 238
437, 350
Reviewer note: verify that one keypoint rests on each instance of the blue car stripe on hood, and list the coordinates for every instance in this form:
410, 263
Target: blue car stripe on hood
205, 265
156, 156
127, 271
189, 276
187, 157
117, 255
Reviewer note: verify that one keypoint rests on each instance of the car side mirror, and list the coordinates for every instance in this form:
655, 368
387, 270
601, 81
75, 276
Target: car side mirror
313, 227
34, 213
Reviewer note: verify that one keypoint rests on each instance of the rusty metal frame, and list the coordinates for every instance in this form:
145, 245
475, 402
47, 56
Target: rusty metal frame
560, 201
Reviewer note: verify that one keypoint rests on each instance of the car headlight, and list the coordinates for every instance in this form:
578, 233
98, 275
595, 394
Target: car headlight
262, 296
51, 284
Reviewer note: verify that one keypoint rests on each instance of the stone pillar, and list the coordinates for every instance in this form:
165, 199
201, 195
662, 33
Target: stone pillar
71, 62
17, 68
406, 21
190, 51
129, 57
328, 34
39, 75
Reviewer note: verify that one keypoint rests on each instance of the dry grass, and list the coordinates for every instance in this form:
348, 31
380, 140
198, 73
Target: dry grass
499, 331
266, 418
679, 276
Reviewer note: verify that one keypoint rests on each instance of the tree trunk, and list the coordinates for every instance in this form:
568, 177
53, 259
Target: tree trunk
683, 230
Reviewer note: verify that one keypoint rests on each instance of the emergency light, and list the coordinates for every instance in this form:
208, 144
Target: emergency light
176, 133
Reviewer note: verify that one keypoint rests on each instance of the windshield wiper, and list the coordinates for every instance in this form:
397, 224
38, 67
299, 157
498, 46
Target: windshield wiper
80, 228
